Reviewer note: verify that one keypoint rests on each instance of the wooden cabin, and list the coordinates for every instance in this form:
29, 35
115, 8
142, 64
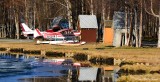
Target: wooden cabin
88, 26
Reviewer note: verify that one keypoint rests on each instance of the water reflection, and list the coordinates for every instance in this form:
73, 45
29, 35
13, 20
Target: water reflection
29, 69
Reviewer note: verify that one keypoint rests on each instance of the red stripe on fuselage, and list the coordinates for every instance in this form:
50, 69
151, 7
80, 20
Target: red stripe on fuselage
39, 33
52, 34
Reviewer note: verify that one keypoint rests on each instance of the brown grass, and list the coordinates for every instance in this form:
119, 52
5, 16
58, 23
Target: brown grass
150, 55
140, 78
129, 54
144, 68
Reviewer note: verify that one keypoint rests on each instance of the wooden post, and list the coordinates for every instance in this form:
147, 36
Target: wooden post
108, 79
43, 53
8, 49
103, 78
88, 57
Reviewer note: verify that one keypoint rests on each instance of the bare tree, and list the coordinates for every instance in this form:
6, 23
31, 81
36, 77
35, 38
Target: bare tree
141, 23
69, 12
151, 12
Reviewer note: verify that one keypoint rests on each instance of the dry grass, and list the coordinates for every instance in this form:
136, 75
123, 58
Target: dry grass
144, 68
150, 55
140, 78
144, 55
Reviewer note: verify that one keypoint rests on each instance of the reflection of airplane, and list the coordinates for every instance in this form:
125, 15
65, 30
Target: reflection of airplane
63, 34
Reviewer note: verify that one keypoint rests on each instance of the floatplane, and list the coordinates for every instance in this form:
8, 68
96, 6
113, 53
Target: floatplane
68, 37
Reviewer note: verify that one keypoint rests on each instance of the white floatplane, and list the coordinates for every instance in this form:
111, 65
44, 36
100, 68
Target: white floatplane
63, 37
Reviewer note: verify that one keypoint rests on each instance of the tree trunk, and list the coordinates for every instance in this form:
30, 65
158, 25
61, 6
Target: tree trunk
34, 15
26, 12
91, 7
17, 26
141, 25
136, 30
109, 10
103, 17
82, 7
69, 13
130, 31
126, 25
159, 29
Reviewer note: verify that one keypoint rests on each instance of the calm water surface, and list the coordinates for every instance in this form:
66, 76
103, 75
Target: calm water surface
14, 69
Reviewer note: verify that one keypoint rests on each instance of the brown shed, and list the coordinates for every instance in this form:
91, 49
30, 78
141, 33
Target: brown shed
88, 26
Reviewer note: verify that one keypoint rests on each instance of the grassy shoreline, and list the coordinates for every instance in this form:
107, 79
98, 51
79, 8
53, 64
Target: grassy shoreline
150, 55
131, 56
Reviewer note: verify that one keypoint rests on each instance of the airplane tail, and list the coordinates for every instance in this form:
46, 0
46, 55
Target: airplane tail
37, 33
25, 28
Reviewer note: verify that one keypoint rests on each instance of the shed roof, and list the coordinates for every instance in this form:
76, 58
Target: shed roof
88, 21
88, 73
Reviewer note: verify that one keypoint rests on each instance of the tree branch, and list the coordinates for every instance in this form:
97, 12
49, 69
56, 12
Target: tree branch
152, 9
151, 13
54, 1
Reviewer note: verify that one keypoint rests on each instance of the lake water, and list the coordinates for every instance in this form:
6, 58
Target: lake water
31, 69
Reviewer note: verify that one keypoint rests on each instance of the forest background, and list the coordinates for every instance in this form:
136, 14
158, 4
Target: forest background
143, 15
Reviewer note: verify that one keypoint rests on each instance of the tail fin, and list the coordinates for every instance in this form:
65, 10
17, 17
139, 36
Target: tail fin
25, 28
37, 33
